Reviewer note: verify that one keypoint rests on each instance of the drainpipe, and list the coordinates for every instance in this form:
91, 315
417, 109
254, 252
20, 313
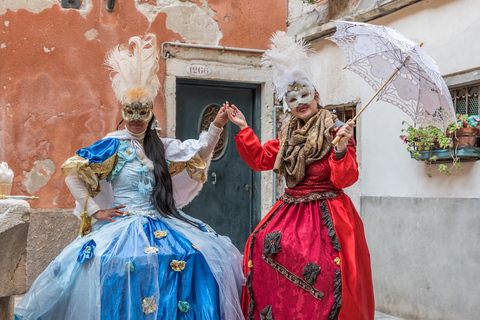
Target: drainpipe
166, 55
274, 175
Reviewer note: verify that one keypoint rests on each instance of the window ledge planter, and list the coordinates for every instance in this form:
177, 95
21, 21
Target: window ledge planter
447, 155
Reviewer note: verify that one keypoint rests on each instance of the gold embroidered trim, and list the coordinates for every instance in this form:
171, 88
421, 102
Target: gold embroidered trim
104, 168
195, 168
176, 167
86, 225
310, 197
90, 173
299, 282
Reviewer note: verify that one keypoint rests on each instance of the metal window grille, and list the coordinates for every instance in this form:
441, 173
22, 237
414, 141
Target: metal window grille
345, 112
465, 99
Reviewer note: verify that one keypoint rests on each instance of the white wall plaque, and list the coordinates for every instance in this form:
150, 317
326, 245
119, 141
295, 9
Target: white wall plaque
198, 70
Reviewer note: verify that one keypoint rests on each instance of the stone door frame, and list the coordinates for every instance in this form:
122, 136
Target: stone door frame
228, 68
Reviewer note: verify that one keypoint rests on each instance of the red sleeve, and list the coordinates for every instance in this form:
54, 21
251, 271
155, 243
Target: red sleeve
344, 171
256, 156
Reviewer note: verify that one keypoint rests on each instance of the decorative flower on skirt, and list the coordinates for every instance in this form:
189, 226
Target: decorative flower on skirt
148, 250
183, 306
160, 234
310, 272
130, 266
87, 251
271, 244
266, 313
177, 266
149, 305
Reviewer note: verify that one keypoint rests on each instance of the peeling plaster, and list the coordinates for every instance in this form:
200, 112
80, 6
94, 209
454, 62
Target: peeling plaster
48, 50
85, 7
3, 45
91, 34
37, 6
200, 26
34, 6
7, 23
38, 177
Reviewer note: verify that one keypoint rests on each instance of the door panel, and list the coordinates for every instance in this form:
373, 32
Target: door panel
228, 200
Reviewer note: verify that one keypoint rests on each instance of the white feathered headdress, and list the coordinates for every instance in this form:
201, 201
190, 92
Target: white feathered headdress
290, 63
134, 72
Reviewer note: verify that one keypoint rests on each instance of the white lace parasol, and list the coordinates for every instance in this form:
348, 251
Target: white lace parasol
376, 52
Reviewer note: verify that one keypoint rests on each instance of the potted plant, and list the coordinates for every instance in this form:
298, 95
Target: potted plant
420, 139
465, 130
430, 144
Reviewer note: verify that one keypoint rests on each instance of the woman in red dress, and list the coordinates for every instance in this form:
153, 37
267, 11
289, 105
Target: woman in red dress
308, 257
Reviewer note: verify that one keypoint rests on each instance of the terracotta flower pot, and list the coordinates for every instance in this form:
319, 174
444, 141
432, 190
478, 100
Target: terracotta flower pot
466, 137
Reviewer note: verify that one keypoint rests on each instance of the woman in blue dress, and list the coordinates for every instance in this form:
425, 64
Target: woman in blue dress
138, 256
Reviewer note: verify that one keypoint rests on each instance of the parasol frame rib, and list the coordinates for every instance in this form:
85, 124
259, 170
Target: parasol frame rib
337, 138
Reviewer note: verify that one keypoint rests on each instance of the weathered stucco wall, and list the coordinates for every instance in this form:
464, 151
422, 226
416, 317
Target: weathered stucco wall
55, 95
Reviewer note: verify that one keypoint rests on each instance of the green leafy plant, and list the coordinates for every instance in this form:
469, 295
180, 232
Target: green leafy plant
420, 139
464, 121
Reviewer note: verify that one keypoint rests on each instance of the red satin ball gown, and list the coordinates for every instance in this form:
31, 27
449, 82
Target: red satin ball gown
308, 257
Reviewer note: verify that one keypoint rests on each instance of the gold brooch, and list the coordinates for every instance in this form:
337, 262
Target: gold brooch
177, 265
337, 261
160, 234
148, 250
250, 264
126, 213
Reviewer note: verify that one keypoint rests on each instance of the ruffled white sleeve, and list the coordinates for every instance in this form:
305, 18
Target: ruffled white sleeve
184, 187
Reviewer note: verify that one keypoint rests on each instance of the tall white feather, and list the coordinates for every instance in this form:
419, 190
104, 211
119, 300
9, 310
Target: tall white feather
289, 61
135, 69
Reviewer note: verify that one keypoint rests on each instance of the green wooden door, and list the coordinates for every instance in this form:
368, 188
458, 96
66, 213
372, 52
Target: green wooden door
229, 200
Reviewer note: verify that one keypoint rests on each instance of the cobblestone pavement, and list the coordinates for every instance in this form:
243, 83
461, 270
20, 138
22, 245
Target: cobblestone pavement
382, 316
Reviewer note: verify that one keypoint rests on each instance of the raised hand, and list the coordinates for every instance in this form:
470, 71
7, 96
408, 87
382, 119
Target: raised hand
108, 214
346, 132
235, 115
222, 117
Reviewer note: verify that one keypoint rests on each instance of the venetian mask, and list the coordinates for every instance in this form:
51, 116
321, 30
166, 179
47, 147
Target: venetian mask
137, 111
298, 94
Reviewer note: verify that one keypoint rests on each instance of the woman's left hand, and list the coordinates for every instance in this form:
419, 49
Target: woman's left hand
346, 132
221, 119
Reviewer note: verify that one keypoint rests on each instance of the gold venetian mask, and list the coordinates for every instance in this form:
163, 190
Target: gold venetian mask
137, 111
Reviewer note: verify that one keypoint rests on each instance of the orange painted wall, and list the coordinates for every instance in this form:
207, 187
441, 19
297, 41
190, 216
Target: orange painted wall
55, 95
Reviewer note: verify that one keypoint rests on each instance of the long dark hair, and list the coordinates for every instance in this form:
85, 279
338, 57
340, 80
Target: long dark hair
163, 192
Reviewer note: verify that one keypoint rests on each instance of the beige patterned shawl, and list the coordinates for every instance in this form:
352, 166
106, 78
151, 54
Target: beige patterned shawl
304, 143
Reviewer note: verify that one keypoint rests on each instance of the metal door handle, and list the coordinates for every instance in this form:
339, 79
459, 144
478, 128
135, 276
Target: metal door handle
247, 187
214, 176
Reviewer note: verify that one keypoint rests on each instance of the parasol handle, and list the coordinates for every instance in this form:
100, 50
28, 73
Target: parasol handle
337, 138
